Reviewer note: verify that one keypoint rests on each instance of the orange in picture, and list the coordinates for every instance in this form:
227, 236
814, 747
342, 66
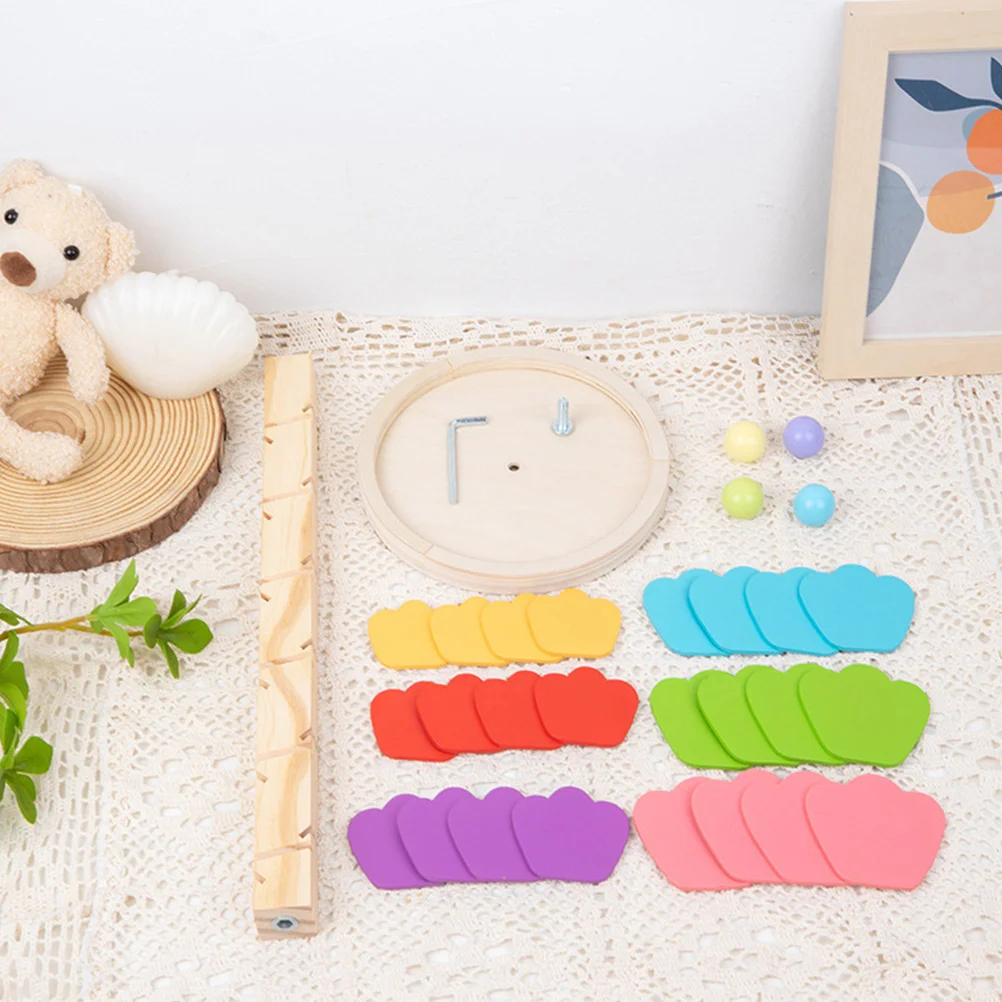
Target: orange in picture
960, 202
984, 144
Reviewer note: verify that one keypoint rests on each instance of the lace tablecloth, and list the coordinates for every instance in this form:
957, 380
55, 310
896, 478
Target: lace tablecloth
135, 883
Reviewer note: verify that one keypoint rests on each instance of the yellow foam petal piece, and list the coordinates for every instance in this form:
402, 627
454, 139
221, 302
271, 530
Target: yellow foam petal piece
506, 628
459, 636
573, 625
401, 638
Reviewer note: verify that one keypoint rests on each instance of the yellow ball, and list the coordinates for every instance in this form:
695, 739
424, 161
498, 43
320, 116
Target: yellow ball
745, 442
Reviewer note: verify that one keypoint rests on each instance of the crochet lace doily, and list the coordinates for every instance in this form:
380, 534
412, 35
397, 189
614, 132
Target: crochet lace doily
134, 885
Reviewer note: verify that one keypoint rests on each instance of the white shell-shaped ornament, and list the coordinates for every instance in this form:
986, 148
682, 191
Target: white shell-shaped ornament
171, 336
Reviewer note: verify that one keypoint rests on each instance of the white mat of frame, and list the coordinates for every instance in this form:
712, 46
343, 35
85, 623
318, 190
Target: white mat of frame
135, 883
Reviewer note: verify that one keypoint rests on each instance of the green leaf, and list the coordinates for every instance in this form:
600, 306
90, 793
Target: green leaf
24, 793
178, 613
10, 617
151, 630
35, 756
191, 636
134, 613
14, 674
9, 651
124, 643
178, 602
171, 658
177, 606
15, 699
124, 587
8, 729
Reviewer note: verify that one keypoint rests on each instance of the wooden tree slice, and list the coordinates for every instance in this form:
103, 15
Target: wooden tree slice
148, 466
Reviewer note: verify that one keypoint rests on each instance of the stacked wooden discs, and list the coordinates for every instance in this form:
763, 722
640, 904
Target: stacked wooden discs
149, 464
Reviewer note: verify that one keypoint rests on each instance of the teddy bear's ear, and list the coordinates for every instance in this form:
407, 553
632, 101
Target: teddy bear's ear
19, 172
121, 251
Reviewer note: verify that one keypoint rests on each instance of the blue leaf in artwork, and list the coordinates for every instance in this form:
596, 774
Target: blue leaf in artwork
898, 220
997, 77
936, 97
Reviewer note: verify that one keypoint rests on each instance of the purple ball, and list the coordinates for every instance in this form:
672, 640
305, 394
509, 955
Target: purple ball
804, 437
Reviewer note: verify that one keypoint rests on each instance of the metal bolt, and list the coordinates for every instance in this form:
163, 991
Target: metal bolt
450, 450
285, 923
563, 425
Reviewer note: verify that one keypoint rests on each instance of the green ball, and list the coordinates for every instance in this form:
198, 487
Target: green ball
742, 497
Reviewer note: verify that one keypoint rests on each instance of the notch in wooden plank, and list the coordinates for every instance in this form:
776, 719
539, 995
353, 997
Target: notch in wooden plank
285, 866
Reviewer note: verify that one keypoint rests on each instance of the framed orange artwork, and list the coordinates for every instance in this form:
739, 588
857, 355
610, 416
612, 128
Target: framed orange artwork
913, 284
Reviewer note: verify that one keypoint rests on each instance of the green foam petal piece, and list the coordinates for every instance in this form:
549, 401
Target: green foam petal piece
774, 700
721, 699
673, 703
860, 715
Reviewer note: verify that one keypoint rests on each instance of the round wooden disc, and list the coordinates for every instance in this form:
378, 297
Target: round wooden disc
148, 465
536, 511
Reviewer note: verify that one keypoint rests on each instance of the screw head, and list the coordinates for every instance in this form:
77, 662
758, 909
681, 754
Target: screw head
285, 923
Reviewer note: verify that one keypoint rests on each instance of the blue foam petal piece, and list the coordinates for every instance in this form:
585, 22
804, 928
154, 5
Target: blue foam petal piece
666, 602
719, 605
856, 610
774, 603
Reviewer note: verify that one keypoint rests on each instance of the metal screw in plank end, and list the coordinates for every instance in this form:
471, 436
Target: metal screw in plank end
450, 452
285, 923
563, 425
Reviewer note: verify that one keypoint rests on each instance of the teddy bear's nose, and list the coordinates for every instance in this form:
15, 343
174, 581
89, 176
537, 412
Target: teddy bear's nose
17, 269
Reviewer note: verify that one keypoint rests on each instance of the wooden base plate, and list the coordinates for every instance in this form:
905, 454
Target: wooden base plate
149, 464
536, 511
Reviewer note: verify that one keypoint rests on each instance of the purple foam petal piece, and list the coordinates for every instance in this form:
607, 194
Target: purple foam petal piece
379, 850
569, 836
482, 832
424, 832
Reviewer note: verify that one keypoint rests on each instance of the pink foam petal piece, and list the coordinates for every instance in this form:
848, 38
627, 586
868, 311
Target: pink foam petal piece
716, 809
875, 834
664, 822
777, 819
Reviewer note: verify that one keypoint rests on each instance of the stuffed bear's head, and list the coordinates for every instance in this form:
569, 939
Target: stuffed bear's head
56, 240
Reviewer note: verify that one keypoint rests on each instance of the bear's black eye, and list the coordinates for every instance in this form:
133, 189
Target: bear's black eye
10, 216
71, 253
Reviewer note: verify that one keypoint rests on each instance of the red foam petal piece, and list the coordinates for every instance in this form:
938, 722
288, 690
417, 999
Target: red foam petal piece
586, 708
450, 717
507, 709
398, 728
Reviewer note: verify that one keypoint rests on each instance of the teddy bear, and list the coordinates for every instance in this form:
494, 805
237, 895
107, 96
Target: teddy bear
56, 244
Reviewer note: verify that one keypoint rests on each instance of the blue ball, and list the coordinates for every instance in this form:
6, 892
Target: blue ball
814, 504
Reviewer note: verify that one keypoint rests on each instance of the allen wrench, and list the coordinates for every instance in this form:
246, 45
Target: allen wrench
450, 452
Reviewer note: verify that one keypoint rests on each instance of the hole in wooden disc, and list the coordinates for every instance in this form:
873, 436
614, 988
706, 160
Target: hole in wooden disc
514, 467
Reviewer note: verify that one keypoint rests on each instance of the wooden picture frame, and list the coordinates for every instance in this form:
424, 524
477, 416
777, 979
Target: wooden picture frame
873, 32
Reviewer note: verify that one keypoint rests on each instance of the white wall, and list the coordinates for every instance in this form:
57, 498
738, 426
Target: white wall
548, 157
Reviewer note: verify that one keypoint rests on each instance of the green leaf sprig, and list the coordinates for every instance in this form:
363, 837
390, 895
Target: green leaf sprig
120, 616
